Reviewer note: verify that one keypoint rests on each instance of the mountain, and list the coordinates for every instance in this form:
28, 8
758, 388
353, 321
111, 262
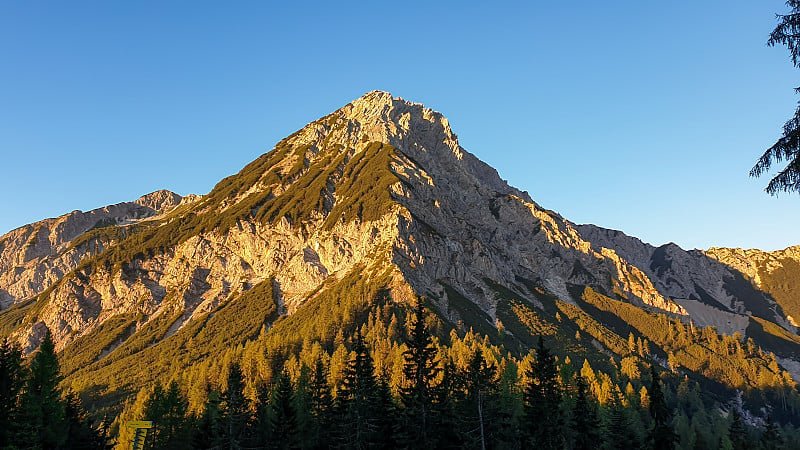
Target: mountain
374, 205
35, 256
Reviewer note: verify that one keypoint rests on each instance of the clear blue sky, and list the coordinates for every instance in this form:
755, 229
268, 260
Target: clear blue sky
634, 115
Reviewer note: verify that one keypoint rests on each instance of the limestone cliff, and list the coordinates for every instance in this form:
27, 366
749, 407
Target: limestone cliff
35, 256
381, 184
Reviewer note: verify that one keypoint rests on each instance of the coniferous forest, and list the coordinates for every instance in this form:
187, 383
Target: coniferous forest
462, 393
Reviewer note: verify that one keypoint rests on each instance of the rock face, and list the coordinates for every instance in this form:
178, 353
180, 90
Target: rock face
775, 273
380, 183
35, 256
710, 285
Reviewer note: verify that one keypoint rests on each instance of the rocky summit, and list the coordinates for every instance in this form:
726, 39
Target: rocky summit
377, 200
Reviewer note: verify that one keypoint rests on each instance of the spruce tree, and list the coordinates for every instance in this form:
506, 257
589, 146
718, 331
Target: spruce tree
542, 395
662, 436
284, 416
358, 400
167, 410
787, 148
12, 376
209, 432
585, 422
261, 431
236, 413
420, 390
387, 416
445, 418
80, 432
320, 407
41, 419
479, 407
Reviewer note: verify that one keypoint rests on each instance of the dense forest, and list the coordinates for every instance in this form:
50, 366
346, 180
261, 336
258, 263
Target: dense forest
459, 392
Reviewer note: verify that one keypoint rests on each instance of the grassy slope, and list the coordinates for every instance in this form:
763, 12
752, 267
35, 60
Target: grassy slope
784, 286
147, 356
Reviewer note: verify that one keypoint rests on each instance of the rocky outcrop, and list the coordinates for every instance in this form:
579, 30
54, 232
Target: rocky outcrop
752, 261
723, 280
35, 256
308, 213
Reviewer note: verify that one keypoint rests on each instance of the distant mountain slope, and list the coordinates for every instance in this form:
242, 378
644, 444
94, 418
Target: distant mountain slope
697, 280
776, 273
36, 255
372, 205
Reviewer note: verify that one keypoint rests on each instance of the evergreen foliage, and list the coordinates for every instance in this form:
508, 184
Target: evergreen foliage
320, 406
209, 433
235, 410
284, 416
543, 395
358, 400
42, 418
618, 432
585, 420
12, 377
772, 439
420, 392
787, 148
470, 390
662, 436
479, 410
738, 432
167, 409
33, 411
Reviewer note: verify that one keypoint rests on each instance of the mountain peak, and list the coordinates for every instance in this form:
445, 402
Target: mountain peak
369, 206
160, 200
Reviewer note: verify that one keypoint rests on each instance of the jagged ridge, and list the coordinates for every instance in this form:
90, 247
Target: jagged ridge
381, 188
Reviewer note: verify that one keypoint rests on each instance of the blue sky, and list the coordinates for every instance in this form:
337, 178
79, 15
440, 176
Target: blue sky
639, 116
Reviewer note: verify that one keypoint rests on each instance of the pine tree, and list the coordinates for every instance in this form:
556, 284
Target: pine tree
543, 422
41, 419
358, 400
12, 376
284, 416
662, 436
420, 392
585, 422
